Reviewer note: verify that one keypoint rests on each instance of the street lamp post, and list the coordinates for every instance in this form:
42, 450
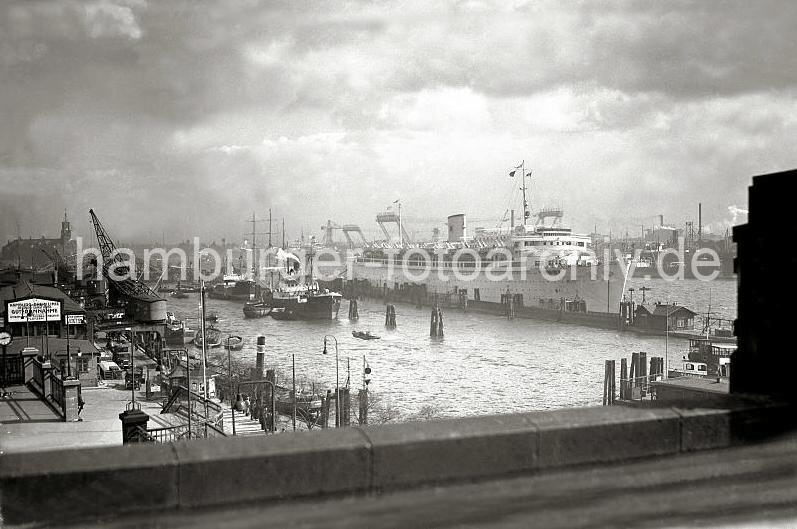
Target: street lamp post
667, 342
27, 325
132, 367
68, 355
337, 378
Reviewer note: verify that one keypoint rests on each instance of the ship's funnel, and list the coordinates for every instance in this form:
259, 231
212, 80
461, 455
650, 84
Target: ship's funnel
456, 228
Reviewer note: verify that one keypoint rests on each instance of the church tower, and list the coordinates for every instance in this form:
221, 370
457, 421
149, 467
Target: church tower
66, 232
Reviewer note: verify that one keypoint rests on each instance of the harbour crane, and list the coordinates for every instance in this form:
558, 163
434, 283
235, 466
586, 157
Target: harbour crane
390, 217
60, 266
347, 230
140, 301
328, 239
353, 228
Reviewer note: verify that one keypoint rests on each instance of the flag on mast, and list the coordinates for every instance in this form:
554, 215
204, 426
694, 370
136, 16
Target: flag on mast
512, 173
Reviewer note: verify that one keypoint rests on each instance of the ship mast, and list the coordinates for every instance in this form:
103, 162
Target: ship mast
254, 250
523, 175
526, 213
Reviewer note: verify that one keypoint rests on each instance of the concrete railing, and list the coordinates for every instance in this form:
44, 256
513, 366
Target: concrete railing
349, 460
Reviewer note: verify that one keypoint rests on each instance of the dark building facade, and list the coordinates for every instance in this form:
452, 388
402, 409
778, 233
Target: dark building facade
764, 362
37, 253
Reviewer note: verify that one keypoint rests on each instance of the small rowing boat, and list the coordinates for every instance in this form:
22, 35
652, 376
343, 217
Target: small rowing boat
365, 335
234, 343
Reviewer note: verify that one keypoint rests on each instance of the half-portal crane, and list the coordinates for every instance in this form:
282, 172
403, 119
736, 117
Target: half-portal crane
141, 302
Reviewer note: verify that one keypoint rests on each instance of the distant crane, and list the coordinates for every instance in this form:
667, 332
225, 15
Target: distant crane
390, 217
141, 302
347, 230
353, 228
60, 266
329, 239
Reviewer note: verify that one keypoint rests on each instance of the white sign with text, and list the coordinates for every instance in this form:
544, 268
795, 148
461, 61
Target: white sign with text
33, 310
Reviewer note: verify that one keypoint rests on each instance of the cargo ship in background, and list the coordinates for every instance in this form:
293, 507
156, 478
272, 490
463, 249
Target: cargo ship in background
589, 292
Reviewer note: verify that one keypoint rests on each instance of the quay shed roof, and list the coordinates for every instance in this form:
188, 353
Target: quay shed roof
663, 309
24, 289
55, 345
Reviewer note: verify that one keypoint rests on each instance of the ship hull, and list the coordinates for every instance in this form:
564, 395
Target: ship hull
320, 307
582, 290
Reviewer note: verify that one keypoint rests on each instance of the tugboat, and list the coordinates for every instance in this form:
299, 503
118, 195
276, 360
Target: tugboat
235, 287
177, 332
293, 299
303, 301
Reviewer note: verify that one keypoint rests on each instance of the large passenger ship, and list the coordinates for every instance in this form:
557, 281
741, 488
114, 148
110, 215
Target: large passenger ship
536, 269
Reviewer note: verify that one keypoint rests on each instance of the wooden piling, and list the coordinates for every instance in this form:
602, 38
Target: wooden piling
436, 323
612, 380
390, 316
623, 378
354, 313
346, 407
363, 400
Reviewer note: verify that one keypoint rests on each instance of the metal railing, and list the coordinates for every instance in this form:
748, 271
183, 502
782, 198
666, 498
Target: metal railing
38, 375
168, 434
180, 432
13, 370
57, 392
639, 388
178, 403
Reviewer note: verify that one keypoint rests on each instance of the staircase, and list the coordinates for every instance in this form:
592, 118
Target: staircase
244, 424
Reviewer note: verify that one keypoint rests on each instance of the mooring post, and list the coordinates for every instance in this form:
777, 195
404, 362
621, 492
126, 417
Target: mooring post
260, 359
390, 316
612, 383
325, 410
363, 399
272, 417
623, 378
346, 407
643, 372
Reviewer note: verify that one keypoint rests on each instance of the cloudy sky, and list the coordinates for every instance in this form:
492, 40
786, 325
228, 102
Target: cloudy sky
184, 116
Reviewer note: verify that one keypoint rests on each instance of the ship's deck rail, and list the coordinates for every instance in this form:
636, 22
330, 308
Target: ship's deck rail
435, 264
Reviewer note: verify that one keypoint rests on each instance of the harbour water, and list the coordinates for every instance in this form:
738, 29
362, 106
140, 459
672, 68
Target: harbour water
485, 364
